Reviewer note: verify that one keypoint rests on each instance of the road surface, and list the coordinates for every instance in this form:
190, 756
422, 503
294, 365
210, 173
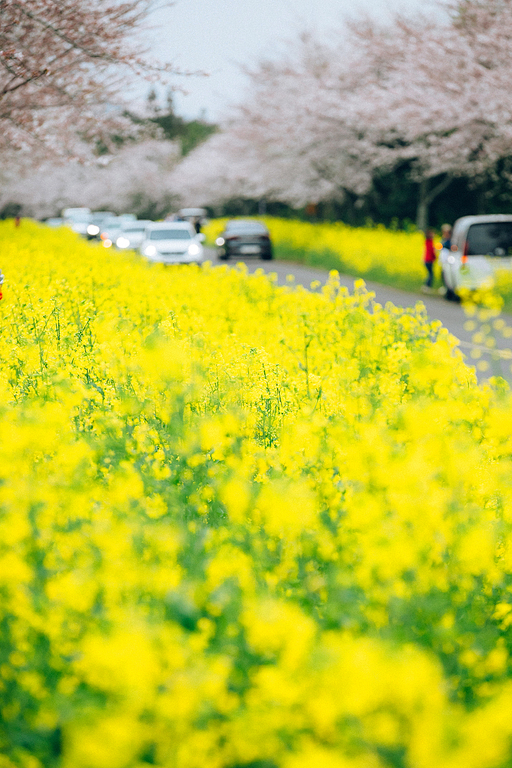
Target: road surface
450, 314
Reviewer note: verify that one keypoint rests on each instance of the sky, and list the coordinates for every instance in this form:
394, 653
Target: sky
219, 37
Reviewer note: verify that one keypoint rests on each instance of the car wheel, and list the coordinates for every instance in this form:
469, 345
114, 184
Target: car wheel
450, 295
266, 256
223, 256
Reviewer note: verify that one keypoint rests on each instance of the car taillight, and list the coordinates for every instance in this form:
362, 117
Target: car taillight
464, 259
232, 237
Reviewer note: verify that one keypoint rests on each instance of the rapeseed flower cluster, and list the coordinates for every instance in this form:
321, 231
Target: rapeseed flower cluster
389, 256
243, 525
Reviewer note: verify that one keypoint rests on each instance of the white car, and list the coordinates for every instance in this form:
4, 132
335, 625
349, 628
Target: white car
71, 213
127, 217
132, 234
172, 242
77, 218
480, 245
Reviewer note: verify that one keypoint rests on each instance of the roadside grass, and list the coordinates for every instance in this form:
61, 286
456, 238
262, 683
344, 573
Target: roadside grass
327, 259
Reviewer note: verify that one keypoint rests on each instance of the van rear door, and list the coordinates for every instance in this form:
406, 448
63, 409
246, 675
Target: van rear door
488, 247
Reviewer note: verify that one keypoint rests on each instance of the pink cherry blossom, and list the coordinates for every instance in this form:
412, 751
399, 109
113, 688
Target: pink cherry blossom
61, 71
322, 120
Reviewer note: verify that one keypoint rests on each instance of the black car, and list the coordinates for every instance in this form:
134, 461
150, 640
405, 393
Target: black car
244, 238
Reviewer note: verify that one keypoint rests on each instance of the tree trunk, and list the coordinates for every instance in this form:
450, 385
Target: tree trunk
481, 198
425, 197
423, 203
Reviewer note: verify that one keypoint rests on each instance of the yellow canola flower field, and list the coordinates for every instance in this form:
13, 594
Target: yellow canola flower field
243, 526
388, 256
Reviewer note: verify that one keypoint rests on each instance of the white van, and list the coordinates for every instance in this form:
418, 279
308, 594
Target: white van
480, 245
189, 214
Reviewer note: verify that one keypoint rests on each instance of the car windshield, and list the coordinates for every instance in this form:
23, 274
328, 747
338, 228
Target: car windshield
246, 228
170, 234
491, 239
79, 218
100, 220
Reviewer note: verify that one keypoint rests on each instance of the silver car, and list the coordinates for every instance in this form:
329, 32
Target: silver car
172, 242
132, 234
480, 245
109, 231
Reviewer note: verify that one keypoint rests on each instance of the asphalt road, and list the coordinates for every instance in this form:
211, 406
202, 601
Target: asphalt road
450, 314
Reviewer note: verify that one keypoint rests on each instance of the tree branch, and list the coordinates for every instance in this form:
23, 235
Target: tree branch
438, 189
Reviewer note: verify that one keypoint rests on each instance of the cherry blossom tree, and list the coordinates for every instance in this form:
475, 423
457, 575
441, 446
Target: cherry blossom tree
291, 140
297, 118
320, 122
61, 63
136, 179
440, 97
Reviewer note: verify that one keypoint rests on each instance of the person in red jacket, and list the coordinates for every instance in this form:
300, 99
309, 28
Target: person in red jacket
429, 257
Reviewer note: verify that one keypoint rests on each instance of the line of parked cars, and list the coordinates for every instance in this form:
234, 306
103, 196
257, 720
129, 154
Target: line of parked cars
479, 246
169, 242
177, 241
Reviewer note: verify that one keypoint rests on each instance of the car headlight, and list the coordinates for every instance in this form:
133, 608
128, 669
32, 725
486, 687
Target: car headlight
122, 242
107, 242
92, 229
149, 250
220, 241
194, 249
